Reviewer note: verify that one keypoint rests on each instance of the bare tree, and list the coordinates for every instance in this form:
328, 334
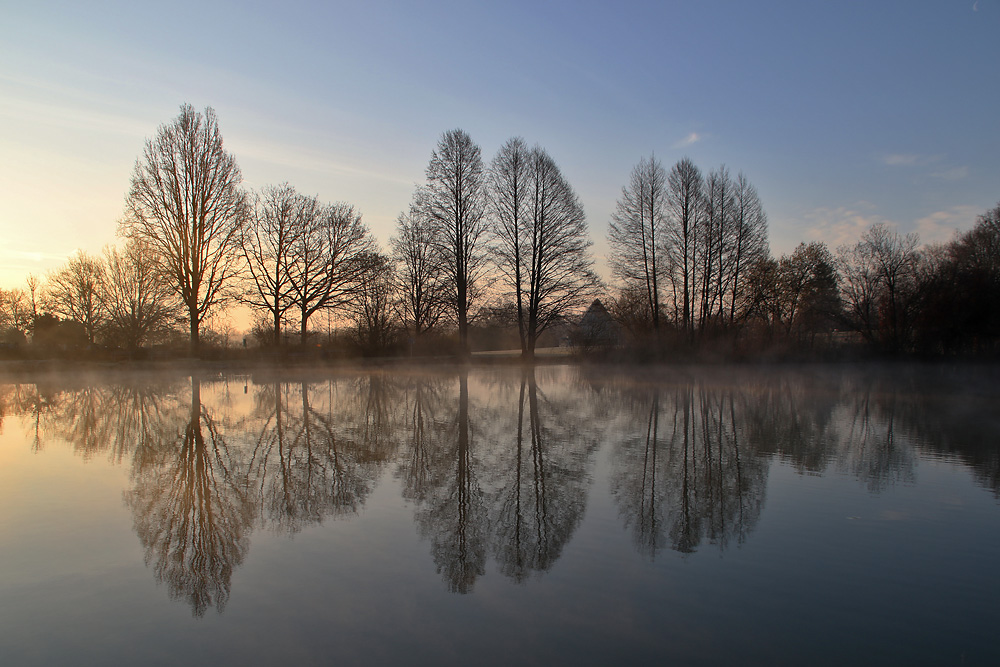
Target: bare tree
716, 242
759, 301
327, 264
859, 279
560, 278
750, 245
878, 277
685, 200
279, 218
76, 292
185, 202
507, 191
138, 302
419, 279
371, 308
16, 315
807, 296
33, 294
454, 202
636, 234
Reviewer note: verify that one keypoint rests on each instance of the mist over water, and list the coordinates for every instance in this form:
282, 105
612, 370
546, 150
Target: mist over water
576, 514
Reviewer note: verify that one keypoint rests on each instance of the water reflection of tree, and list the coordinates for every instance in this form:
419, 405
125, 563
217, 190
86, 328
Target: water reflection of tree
688, 475
112, 418
846, 421
452, 513
872, 449
421, 414
541, 480
191, 512
949, 411
307, 462
30, 402
501, 472
506, 477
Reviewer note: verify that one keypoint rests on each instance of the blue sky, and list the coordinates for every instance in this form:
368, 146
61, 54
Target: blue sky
841, 113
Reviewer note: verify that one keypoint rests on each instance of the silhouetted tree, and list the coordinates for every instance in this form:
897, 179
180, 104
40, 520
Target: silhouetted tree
747, 245
808, 301
959, 289
508, 192
371, 309
139, 304
185, 203
454, 201
279, 218
76, 292
878, 278
637, 235
420, 284
16, 316
759, 304
328, 261
713, 251
547, 236
685, 206
33, 293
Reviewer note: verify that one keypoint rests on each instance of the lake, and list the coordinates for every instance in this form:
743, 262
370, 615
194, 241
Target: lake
561, 515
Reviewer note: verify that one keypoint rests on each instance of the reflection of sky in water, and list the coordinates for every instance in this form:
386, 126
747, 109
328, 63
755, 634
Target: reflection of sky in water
705, 516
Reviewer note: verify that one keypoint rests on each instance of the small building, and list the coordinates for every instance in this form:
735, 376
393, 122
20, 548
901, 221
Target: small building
596, 329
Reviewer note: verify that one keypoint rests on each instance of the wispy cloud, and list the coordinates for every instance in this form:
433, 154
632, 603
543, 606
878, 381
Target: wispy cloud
689, 140
31, 256
940, 226
944, 171
289, 155
842, 225
908, 159
953, 174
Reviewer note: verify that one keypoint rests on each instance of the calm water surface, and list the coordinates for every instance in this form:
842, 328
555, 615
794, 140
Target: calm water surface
557, 516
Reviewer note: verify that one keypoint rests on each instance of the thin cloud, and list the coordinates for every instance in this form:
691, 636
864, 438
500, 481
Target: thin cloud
689, 140
290, 155
953, 174
908, 159
22, 256
842, 225
941, 226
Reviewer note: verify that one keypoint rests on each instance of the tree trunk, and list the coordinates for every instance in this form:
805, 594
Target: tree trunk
195, 342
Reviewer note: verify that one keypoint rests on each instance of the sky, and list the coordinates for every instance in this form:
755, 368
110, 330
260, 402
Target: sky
842, 114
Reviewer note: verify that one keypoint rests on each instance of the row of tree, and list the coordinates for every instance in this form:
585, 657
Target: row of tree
885, 293
196, 241
683, 245
507, 238
691, 254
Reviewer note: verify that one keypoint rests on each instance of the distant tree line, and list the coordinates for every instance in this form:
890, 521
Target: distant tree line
695, 274
502, 246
